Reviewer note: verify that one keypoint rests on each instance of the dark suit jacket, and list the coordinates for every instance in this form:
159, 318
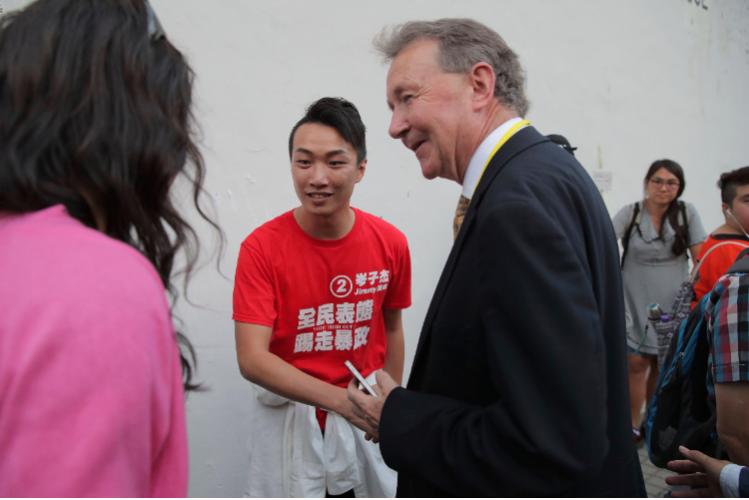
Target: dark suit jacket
518, 385
744, 482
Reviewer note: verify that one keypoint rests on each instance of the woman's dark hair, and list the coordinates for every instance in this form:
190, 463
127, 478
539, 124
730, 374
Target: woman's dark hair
681, 242
95, 115
341, 115
729, 183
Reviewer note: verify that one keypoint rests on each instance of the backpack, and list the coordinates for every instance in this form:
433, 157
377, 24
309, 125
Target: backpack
681, 411
667, 325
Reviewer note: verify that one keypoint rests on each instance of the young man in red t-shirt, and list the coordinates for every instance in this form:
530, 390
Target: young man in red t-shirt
324, 282
734, 193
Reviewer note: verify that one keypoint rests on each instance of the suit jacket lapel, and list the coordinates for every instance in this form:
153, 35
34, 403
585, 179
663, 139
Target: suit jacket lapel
522, 140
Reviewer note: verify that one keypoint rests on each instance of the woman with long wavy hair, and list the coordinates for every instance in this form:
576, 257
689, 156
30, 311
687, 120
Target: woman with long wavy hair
656, 234
95, 126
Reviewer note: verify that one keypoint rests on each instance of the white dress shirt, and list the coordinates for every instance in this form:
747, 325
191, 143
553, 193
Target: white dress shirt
481, 156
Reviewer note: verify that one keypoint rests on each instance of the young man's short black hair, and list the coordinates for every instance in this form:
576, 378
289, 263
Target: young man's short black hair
729, 181
340, 114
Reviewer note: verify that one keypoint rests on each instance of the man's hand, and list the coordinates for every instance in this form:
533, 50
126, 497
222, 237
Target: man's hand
369, 408
700, 472
345, 408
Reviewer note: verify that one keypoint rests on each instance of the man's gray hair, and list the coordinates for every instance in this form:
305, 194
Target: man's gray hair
462, 44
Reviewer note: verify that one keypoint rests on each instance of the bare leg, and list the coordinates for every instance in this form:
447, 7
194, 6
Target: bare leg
638, 371
652, 377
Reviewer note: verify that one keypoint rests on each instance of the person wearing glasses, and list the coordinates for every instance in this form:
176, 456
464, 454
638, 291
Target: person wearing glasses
656, 235
95, 126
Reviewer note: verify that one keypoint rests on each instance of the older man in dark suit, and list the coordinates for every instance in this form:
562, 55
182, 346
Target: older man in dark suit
518, 386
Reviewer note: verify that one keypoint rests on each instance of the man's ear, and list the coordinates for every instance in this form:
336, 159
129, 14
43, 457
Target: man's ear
361, 168
482, 80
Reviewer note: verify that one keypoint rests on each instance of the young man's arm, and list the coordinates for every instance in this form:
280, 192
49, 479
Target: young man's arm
729, 347
732, 408
258, 365
394, 350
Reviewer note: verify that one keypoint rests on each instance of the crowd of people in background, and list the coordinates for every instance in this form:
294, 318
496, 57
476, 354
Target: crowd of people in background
658, 234
536, 356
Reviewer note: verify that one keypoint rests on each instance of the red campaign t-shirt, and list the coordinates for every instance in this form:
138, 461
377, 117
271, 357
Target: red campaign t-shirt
717, 262
324, 298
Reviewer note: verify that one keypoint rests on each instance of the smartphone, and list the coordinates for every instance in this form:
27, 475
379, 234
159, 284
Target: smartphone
360, 378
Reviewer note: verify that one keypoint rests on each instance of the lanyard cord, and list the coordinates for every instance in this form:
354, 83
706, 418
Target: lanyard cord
501, 143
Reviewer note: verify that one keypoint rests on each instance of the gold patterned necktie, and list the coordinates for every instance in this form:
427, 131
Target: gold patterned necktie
460, 213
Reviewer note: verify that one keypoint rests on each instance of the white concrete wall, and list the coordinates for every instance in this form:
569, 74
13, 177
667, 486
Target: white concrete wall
627, 81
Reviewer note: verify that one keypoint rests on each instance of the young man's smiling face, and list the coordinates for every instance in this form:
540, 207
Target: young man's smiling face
325, 169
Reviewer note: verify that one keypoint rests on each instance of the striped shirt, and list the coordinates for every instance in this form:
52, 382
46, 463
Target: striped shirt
728, 330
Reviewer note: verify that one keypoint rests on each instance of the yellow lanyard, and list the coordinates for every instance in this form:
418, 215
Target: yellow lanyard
505, 138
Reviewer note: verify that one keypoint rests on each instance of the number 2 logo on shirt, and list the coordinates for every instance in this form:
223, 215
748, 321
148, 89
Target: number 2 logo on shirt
341, 286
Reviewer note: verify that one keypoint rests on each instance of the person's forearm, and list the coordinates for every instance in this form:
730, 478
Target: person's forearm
276, 375
732, 409
737, 448
394, 355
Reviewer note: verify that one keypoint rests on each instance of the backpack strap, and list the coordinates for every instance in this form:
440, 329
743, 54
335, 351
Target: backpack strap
683, 211
625, 239
696, 269
741, 264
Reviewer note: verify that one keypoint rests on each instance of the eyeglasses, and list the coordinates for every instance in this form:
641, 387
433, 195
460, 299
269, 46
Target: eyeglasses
155, 31
670, 184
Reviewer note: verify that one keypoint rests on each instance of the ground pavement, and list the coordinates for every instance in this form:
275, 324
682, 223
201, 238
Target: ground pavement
654, 476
